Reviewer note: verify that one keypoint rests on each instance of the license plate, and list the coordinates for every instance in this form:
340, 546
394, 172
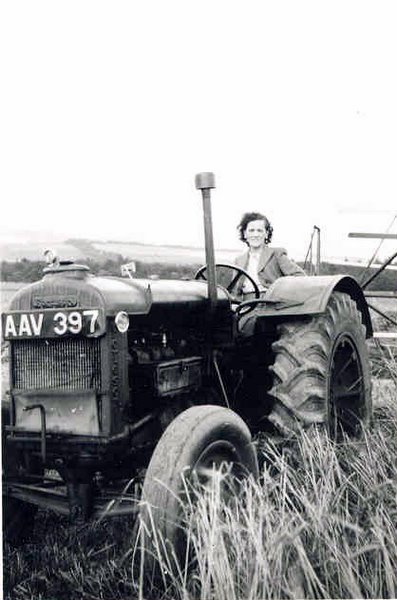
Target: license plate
88, 322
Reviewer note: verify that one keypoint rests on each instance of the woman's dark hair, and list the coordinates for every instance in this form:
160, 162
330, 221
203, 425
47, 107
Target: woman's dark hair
254, 216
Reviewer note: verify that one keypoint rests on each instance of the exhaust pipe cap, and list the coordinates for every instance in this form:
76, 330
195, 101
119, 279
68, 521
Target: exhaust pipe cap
205, 181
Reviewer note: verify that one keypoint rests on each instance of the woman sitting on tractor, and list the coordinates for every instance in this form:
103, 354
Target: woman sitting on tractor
263, 263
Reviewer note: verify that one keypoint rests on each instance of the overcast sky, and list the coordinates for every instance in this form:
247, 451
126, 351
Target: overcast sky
108, 109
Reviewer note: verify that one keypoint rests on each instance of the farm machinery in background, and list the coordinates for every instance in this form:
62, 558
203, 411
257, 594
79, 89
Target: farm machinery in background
312, 266
116, 380
366, 281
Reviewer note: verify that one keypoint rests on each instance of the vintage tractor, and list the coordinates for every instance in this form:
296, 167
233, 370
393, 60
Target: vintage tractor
119, 380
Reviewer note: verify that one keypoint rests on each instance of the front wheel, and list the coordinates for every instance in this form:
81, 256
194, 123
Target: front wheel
321, 371
197, 441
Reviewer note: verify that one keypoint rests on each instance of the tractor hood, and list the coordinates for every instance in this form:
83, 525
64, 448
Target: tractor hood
76, 287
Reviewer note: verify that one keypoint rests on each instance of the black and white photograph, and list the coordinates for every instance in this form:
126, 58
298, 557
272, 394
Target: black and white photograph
198, 293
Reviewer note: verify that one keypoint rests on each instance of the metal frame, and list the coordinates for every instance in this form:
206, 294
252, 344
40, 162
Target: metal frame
385, 264
314, 269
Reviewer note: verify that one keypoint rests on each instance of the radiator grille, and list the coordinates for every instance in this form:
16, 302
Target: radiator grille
57, 364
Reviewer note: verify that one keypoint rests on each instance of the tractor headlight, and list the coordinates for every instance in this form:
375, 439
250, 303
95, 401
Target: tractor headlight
122, 321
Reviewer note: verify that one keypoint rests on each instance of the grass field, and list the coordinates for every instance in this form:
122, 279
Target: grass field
320, 523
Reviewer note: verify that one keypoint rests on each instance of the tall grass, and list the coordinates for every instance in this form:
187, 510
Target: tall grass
320, 523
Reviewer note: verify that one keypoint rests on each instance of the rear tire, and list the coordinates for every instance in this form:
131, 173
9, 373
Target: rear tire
196, 439
321, 372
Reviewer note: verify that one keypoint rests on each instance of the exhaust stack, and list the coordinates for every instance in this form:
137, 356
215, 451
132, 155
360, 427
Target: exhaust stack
205, 182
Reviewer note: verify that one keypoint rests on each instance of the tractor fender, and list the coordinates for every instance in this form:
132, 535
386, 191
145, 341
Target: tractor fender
300, 296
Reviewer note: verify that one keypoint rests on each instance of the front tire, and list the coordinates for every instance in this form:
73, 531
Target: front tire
198, 439
321, 372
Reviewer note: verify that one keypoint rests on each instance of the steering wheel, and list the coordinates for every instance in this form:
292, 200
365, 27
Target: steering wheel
224, 275
247, 305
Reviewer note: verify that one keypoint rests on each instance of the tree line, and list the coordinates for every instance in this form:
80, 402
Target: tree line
30, 270
385, 281
27, 271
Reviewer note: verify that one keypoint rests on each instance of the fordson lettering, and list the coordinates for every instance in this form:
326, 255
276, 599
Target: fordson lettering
53, 323
54, 302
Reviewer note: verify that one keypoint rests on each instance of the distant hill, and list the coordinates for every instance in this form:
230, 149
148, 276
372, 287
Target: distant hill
34, 251
101, 251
